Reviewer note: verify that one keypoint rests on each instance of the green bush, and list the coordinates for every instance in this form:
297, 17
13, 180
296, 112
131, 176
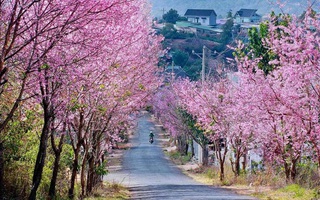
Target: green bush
307, 174
186, 158
179, 159
296, 191
21, 149
210, 173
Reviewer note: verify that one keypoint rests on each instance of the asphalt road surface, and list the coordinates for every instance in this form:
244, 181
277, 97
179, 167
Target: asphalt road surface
149, 175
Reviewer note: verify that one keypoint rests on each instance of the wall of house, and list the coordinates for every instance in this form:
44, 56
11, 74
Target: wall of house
243, 20
238, 20
254, 19
246, 19
204, 21
213, 20
193, 19
254, 161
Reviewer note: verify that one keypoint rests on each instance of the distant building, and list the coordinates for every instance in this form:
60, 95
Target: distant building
203, 17
247, 16
200, 30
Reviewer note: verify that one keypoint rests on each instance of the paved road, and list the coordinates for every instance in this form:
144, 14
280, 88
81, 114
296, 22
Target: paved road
149, 175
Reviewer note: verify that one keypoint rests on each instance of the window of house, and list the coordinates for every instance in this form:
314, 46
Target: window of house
204, 19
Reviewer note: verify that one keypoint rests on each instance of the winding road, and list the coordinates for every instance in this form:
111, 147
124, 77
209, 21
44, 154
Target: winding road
149, 175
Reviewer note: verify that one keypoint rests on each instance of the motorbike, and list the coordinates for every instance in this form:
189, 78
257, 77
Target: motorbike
151, 140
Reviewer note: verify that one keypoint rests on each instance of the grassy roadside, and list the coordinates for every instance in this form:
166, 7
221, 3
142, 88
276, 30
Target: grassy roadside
263, 186
110, 191
264, 192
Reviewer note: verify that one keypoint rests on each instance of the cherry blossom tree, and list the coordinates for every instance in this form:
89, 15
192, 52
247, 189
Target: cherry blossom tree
286, 100
30, 29
174, 119
114, 83
205, 101
61, 52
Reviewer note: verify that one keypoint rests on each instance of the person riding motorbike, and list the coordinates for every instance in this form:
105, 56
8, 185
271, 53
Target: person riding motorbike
151, 137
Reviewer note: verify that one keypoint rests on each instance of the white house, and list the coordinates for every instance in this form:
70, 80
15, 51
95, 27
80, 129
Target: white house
203, 17
247, 16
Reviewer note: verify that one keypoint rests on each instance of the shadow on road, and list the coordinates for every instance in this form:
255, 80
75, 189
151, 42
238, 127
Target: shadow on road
182, 192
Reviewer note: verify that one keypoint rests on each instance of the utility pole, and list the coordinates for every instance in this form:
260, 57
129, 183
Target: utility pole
203, 57
203, 78
163, 10
203, 64
172, 72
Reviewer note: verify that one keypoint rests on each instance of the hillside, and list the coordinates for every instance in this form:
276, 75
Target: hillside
223, 6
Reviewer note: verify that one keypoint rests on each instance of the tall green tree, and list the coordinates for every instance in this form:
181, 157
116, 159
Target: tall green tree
226, 36
257, 46
180, 58
171, 16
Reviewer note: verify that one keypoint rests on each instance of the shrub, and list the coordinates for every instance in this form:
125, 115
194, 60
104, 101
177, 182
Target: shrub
307, 175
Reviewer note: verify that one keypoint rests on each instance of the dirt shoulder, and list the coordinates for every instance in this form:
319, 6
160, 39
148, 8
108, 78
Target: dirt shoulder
115, 157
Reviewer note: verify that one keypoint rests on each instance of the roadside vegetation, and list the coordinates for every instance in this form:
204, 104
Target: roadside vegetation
266, 108
110, 191
265, 185
73, 77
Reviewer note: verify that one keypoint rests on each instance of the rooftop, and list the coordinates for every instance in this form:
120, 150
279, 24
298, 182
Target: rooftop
246, 12
199, 12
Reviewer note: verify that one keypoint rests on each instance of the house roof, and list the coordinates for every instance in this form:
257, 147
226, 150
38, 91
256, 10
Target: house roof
246, 12
199, 12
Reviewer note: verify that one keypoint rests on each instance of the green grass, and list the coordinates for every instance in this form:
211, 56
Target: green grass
177, 158
289, 192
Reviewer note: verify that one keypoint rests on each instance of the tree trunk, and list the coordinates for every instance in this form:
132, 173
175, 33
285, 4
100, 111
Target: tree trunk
97, 161
52, 189
74, 172
293, 170
40, 162
82, 175
221, 157
192, 147
90, 175
318, 165
187, 147
76, 145
287, 171
182, 145
221, 171
57, 153
244, 163
237, 165
205, 154
1, 171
